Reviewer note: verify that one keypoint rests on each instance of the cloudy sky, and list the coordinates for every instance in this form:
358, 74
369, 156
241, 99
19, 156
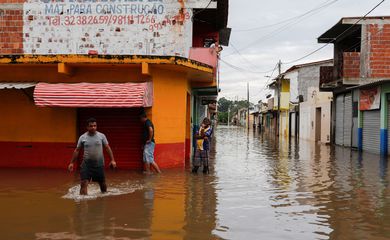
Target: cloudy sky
265, 31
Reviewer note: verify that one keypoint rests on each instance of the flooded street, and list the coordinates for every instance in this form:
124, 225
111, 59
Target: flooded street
258, 188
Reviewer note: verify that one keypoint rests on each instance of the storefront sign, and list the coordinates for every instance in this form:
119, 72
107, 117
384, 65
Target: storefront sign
115, 27
370, 99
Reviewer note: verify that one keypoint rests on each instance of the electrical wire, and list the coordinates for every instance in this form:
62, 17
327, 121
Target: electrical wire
244, 70
284, 21
364, 41
337, 37
268, 81
283, 28
203, 9
242, 57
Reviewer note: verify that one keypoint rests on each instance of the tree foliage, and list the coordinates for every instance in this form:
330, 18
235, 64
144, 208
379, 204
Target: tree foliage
225, 104
223, 117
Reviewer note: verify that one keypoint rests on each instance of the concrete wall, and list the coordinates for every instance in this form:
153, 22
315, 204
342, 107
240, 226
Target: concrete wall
284, 123
24, 124
109, 27
284, 101
22, 121
308, 116
309, 77
32, 136
305, 121
169, 117
293, 76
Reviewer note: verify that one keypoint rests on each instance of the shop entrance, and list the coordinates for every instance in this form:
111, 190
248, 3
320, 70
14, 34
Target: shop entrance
123, 131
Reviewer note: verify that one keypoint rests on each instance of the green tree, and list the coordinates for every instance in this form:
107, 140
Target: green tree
224, 104
222, 117
237, 105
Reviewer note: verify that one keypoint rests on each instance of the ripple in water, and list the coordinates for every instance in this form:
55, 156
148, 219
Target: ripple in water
94, 191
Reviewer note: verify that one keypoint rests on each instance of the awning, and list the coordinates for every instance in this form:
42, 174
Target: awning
94, 95
16, 85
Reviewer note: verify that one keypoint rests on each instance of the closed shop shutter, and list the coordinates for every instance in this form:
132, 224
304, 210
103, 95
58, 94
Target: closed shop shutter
123, 131
339, 135
347, 120
371, 131
388, 127
293, 124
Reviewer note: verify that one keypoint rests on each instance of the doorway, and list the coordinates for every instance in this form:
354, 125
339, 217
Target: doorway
318, 125
123, 131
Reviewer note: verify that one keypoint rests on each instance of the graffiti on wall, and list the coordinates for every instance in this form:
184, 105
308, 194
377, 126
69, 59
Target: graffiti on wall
114, 27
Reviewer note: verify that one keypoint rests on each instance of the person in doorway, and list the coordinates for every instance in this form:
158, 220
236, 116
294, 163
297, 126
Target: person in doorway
202, 137
148, 145
92, 166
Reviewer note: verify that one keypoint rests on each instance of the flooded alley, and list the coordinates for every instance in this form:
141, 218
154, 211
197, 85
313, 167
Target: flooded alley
258, 188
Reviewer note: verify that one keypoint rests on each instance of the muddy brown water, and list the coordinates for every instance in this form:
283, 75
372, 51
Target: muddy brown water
258, 188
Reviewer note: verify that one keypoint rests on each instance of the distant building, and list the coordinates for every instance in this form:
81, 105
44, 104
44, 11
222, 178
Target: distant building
310, 109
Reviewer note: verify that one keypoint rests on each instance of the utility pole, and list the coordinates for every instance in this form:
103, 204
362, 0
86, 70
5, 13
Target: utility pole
247, 87
279, 79
229, 116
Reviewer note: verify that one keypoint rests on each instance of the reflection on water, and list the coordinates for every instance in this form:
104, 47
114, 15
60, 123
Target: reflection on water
260, 187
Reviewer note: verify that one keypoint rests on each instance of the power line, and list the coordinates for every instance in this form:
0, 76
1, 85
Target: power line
364, 41
244, 58
340, 35
284, 21
269, 79
244, 70
284, 27
203, 9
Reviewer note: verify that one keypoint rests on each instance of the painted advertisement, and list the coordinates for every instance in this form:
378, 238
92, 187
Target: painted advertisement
370, 99
113, 27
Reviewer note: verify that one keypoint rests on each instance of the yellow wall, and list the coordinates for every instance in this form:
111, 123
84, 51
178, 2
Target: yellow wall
22, 121
169, 106
169, 111
285, 85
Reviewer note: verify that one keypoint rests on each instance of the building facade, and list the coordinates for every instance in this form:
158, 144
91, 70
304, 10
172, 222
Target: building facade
359, 81
62, 63
310, 109
281, 105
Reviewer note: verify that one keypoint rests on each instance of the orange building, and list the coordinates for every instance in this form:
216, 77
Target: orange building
48, 90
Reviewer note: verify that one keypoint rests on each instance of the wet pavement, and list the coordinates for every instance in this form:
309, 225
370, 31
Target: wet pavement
258, 188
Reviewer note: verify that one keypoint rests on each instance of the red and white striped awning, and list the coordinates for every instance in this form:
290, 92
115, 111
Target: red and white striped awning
94, 95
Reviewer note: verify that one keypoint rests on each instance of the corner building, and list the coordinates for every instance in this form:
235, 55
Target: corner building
58, 68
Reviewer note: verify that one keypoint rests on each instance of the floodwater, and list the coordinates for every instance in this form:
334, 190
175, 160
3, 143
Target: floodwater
258, 188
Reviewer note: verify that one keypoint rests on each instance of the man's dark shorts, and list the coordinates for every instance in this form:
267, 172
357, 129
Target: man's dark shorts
91, 171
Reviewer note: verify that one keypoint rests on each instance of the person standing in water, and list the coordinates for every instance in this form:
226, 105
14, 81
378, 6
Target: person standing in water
149, 144
92, 166
202, 137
